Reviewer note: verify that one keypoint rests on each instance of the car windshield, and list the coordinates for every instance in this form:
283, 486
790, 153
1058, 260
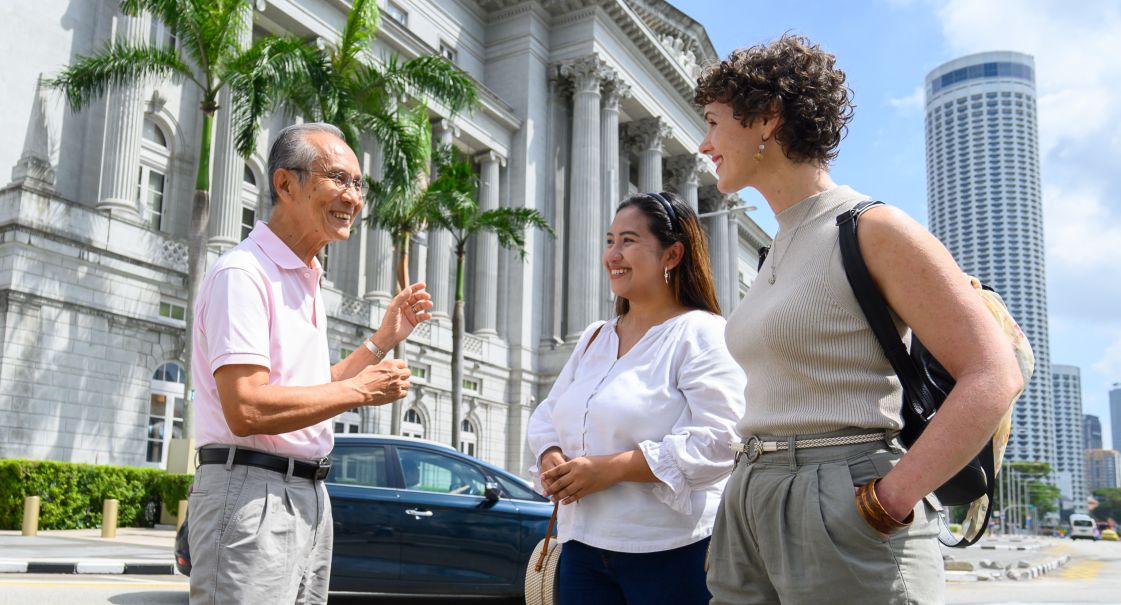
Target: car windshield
1082, 523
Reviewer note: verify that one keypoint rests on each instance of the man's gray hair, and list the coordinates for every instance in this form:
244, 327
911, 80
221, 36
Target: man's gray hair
291, 149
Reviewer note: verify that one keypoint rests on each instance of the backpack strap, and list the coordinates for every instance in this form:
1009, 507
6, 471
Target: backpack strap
876, 311
988, 464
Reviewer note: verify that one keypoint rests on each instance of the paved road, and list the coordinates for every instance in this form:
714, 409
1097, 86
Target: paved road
1092, 576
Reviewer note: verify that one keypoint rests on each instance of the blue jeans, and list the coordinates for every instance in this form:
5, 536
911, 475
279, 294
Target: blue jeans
593, 576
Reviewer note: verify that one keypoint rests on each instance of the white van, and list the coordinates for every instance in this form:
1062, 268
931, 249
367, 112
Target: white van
1082, 526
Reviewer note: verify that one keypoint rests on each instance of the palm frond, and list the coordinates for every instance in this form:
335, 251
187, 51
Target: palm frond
406, 144
119, 64
427, 76
271, 71
510, 225
357, 36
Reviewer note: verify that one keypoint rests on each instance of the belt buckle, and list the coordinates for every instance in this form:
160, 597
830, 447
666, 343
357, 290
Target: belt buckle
753, 447
323, 469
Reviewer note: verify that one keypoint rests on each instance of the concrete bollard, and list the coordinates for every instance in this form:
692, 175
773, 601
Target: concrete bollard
109, 518
31, 516
182, 516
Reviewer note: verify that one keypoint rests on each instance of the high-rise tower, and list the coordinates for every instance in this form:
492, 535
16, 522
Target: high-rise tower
1066, 393
984, 201
1115, 415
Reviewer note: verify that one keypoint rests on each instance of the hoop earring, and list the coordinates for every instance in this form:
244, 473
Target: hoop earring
758, 157
665, 274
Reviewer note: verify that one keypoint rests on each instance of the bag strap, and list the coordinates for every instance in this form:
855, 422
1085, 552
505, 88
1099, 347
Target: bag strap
548, 533
553, 519
876, 311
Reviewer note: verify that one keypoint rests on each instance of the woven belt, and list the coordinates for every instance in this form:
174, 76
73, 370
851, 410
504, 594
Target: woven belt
755, 447
282, 464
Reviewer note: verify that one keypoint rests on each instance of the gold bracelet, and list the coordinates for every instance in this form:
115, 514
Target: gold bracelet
873, 512
376, 350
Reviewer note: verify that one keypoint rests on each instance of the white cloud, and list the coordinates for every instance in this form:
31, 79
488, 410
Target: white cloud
1082, 233
910, 103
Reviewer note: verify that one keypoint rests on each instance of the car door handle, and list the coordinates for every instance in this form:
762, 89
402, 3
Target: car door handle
418, 513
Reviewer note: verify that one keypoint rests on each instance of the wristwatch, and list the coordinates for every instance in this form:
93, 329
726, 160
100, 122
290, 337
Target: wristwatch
373, 348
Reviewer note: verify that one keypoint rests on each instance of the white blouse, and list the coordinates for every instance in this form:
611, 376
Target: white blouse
676, 396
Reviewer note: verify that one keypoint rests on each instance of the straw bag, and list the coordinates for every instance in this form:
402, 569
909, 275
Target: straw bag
541, 573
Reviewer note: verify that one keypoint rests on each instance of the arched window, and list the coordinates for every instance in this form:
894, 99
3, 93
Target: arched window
165, 411
155, 158
412, 425
468, 438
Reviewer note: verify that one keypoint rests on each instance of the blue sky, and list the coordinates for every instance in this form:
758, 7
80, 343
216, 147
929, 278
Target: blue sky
887, 47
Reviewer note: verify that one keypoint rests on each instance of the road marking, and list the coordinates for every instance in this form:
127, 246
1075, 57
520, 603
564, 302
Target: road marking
61, 585
1081, 570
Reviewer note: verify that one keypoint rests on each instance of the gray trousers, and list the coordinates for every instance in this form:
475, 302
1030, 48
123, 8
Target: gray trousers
788, 531
258, 537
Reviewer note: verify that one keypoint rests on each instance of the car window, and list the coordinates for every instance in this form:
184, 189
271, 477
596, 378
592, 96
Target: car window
1081, 523
517, 490
359, 465
432, 472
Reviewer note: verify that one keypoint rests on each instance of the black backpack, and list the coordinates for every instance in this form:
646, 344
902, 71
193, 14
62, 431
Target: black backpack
925, 386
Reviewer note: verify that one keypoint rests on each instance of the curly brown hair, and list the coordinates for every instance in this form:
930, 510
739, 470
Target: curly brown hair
793, 78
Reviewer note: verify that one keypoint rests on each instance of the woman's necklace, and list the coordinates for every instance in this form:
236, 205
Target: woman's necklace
786, 252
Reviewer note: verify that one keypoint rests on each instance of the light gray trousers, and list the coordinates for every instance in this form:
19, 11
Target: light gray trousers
788, 531
258, 537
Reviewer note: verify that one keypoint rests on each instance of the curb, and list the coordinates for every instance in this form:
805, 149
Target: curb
1038, 570
89, 566
1010, 547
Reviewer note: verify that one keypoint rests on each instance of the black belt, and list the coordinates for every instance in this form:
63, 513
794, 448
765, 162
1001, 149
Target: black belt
305, 470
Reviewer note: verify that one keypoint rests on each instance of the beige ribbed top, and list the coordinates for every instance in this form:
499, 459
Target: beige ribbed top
812, 362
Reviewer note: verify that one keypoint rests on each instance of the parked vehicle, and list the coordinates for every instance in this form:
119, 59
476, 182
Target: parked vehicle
1082, 527
1109, 534
414, 517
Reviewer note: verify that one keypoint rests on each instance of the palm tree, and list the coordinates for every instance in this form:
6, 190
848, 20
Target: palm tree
454, 194
209, 56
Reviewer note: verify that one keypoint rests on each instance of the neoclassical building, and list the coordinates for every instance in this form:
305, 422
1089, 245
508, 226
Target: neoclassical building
583, 102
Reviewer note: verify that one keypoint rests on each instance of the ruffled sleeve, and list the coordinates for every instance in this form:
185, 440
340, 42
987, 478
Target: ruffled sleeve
695, 453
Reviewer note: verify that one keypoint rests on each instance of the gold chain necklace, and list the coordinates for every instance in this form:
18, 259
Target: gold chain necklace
785, 253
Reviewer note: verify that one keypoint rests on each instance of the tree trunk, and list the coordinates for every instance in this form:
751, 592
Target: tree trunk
196, 263
457, 348
402, 254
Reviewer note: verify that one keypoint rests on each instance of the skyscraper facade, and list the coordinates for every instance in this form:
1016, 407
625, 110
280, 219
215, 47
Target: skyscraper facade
1091, 432
1103, 469
1115, 415
1066, 393
984, 201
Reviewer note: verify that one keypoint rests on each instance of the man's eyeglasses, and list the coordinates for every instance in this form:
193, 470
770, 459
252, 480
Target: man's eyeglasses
341, 180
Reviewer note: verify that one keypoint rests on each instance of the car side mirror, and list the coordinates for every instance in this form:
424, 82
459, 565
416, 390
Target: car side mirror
492, 492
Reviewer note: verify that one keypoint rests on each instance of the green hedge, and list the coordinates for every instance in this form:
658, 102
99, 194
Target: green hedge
72, 495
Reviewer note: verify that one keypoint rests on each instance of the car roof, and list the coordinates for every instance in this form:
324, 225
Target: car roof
342, 437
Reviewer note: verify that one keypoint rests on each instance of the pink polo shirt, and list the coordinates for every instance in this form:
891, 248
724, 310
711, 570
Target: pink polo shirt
261, 305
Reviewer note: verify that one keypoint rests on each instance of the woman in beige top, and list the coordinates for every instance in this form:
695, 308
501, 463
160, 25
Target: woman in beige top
789, 529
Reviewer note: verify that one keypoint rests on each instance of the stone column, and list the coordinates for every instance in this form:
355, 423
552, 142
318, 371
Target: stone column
379, 270
717, 229
440, 241
583, 292
485, 305
614, 90
733, 258
647, 136
124, 121
229, 167
684, 171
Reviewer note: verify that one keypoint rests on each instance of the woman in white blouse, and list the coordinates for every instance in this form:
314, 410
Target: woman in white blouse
633, 438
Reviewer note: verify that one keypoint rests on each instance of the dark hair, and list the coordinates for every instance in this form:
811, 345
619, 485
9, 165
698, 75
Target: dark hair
790, 78
671, 220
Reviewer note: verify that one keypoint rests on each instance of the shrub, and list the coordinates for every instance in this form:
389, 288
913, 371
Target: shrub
72, 495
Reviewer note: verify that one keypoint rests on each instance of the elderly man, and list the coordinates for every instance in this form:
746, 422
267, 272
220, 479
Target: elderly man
261, 529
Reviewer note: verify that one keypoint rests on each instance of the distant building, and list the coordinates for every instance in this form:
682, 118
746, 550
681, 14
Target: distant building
1066, 393
1115, 415
1103, 469
1091, 432
985, 204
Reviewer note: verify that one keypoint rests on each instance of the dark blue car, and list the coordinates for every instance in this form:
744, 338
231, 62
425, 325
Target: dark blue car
420, 518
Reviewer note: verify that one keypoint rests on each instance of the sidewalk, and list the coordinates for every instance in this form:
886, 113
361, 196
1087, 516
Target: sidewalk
135, 550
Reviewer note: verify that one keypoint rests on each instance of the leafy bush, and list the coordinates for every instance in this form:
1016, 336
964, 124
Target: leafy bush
173, 487
72, 495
